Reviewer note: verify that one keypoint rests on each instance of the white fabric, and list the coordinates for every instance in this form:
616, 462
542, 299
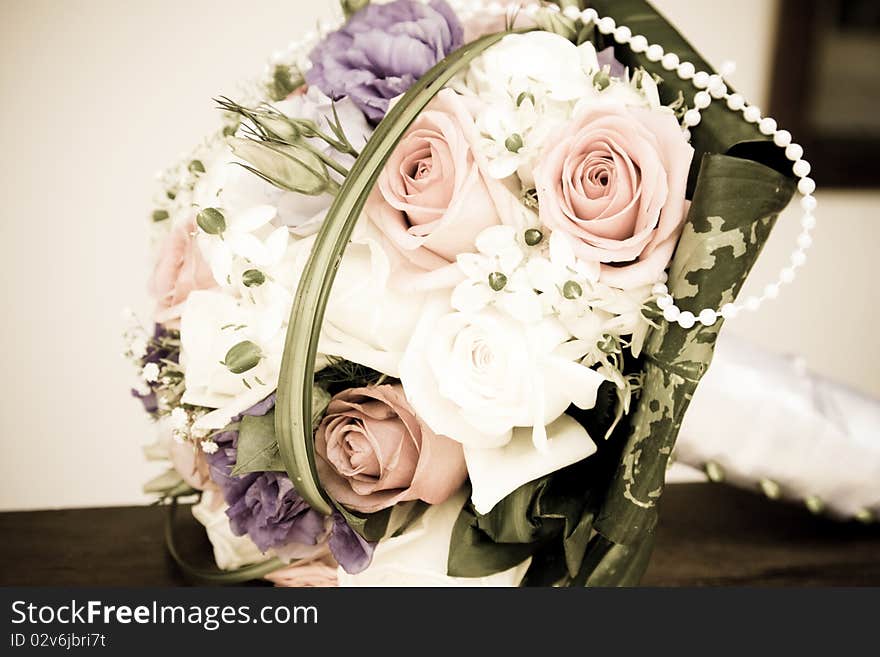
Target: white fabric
760, 415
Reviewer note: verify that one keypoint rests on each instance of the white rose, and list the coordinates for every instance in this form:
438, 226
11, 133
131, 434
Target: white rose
538, 61
368, 320
500, 387
476, 376
523, 89
230, 551
419, 556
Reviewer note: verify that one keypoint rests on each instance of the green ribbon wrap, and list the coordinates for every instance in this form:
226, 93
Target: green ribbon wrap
738, 192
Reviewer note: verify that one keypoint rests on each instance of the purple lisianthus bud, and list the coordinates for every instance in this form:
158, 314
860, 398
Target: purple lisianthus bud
381, 52
606, 58
351, 551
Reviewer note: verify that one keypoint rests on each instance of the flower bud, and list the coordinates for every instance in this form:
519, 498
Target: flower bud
497, 281
242, 357
212, 221
533, 236
289, 167
352, 6
572, 290
253, 278
280, 127
514, 143
523, 97
601, 80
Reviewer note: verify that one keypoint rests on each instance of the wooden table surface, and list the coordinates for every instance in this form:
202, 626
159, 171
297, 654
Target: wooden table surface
709, 535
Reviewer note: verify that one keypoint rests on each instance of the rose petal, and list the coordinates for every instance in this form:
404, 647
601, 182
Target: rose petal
495, 473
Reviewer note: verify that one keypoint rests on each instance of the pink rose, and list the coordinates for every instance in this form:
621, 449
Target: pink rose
373, 452
317, 570
483, 22
190, 462
614, 180
180, 270
432, 199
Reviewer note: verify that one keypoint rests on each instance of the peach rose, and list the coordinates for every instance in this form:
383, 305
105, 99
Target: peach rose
483, 22
317, 570
179, 270
189, 461
432, 199
614, 180
373, 452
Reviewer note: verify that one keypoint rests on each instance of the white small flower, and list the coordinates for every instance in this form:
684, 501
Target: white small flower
199, 432
179, 418
244, 238
150, 373
636, 90
566, 282
495, 276
179, 436
508, 135
209, 447
138, 347
544, 61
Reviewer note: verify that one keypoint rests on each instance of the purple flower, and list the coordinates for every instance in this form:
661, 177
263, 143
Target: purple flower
158, 350
382, 50
266, 507
606, 58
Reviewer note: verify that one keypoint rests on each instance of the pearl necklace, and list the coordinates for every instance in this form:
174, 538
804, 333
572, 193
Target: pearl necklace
710, 88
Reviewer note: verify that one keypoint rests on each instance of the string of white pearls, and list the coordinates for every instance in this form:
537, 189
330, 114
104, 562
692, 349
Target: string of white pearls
710, 87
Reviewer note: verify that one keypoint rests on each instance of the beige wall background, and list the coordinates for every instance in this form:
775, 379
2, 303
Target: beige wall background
97, 95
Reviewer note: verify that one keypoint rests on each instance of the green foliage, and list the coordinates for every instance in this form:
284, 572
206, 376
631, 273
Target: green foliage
290, 167
341, 374
257, 447
257, 444
163, 483
285, 80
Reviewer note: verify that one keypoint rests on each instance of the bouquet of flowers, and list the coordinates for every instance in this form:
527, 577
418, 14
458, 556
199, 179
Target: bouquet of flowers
433, 301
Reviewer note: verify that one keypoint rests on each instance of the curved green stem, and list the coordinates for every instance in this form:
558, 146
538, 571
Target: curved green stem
293, 411
212, 575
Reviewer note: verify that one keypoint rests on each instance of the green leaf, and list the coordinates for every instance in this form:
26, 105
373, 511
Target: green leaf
554, 510
156, 451
320, 402
472, 553
285, 80
257, 447
165, 482
350, 7
371, 527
